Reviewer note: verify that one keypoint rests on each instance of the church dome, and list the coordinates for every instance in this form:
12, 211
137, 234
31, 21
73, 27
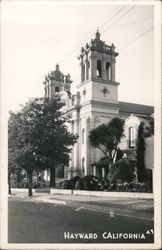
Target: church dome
57, 75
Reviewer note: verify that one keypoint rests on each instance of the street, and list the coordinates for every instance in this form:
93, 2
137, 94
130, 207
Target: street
32, 221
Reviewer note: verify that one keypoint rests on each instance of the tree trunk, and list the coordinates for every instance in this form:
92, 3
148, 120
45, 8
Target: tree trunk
52, 177
106, 172
9, 183
30, 184
110, 169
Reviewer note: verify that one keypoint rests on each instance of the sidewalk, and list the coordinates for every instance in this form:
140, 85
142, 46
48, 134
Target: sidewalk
140, 208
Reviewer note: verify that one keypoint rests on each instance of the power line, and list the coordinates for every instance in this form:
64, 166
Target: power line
135, 39
76, 49
112, 16
119, 18
128, 44
109, 19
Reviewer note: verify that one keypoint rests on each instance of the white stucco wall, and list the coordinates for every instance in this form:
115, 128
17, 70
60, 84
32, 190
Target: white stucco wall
131, 121
111, 95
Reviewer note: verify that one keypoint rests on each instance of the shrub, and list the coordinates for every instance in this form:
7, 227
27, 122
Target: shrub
104, 184
66, 184
112, 186
90, 182
79, 185
74, 180
122, 170
148, 174
142, 187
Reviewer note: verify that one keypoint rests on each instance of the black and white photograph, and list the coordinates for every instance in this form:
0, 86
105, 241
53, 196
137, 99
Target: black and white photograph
81, 124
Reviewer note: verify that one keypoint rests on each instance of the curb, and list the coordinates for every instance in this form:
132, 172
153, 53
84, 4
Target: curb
102, 193
99, 208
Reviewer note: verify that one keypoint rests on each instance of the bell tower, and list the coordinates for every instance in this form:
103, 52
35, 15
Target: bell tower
97, 64
97, 100
56, 82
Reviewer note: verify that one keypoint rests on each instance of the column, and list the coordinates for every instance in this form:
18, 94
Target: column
103, 172
87, 163
81, 65
72, 152
86, 70
94, 170
89, 68
76, 170
93, 67
102, 69
113, 69
77, 131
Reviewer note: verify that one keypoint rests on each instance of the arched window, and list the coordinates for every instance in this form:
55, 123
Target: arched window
98, 68
83, 132
83, 164
131, 137
108, 71
83, 72
57, 89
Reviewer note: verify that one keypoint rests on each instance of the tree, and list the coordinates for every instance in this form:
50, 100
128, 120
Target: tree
140, 153
107, 137
149, 128
119, 154
13, 167
41, 138
122, 170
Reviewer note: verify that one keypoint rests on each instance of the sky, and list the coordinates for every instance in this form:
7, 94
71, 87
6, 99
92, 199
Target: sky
37, 35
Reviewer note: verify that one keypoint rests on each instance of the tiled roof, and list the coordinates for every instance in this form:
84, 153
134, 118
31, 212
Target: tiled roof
134, 108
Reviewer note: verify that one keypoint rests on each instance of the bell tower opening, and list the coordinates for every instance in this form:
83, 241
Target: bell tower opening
99, 69
108, 71
88, 69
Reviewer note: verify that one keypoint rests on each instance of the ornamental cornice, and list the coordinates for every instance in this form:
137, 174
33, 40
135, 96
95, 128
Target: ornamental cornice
101, 80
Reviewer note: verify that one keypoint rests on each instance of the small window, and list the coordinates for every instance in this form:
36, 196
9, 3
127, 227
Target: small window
131, 137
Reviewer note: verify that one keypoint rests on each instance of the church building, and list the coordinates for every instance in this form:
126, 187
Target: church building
95, 101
